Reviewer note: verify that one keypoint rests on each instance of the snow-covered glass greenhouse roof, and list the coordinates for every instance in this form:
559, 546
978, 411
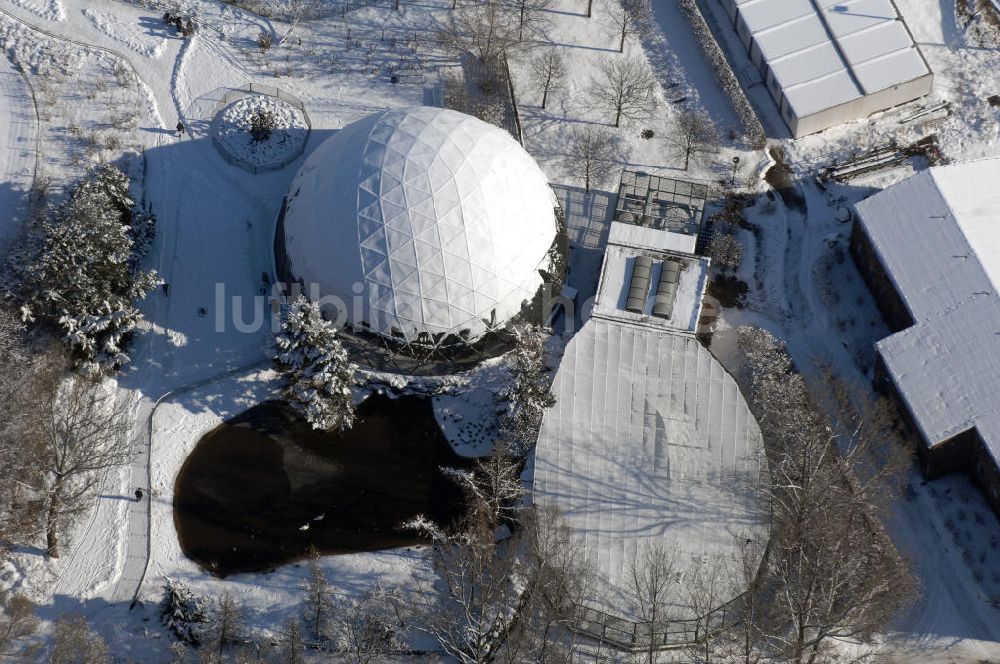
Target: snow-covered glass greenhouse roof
649, 441
426, 222
660, 203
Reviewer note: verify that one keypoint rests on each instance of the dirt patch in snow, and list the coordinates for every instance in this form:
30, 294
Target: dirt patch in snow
728, 290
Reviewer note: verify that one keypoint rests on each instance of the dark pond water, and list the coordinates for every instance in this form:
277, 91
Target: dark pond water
245, 494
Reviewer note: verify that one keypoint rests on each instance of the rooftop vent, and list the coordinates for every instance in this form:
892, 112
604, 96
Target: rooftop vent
638, 288
666, 289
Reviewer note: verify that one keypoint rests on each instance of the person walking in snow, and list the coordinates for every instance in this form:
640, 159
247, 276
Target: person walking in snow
138, 495
180, 129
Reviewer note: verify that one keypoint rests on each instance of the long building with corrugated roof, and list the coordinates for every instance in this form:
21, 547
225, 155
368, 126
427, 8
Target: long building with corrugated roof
826, 62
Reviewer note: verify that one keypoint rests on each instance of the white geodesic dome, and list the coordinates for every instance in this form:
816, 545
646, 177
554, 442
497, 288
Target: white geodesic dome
424, 222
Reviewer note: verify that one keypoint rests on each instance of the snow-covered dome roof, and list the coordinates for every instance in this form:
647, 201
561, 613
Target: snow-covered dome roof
443, 219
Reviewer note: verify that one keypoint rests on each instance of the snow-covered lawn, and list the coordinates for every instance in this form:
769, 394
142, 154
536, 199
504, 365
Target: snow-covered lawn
215, 226
52, 10
143, 41
90, 104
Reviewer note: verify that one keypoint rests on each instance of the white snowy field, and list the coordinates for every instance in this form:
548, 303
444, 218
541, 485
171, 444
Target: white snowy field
215, 228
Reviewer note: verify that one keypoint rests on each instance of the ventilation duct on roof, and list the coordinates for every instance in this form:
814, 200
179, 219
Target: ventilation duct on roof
638, 287
666, 289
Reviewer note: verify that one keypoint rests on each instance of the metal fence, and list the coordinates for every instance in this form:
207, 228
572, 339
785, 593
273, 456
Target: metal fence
637, 636
484, 90
269, 91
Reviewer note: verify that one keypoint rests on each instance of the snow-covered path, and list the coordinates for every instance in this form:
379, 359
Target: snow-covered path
109, 551
951, 618
18, 132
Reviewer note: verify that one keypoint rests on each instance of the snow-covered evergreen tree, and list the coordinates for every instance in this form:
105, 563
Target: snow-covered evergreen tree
527, 395
80, 270
182, 612
319, 375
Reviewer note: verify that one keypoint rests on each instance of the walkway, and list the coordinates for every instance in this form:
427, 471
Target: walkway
18, 141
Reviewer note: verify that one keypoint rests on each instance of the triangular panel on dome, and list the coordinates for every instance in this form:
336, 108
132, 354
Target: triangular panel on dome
457, 267
400, 244
464, 301
439, 313
377, 270
430, 259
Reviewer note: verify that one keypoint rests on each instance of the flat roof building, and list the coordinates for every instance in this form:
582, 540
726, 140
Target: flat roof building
826, 62
929, 248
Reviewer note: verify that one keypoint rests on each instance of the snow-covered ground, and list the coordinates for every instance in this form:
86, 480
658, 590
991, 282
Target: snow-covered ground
215, 225
18, 132
808, 293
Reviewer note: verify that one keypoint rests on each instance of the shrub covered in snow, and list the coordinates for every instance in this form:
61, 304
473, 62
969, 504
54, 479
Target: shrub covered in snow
78, 269
726, 251
182, 612
528, 394
319, 376
261, 131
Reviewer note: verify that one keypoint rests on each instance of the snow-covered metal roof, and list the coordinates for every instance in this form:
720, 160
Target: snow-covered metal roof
824, 53
435, 220
626, 243
938, 236
649, 440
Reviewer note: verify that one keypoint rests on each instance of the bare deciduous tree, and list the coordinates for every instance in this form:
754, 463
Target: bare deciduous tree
530, 15
559, 581
832, 569
652, 588
591, 154
18, 514
547, 72
487, 30
471, 614
625, 88
291, 645
74, 642
629, 18
17, 623
319, 597
368, 627
75, 430
703, 591
694, 135
743, 642
494, 485
226, 628
298, 11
